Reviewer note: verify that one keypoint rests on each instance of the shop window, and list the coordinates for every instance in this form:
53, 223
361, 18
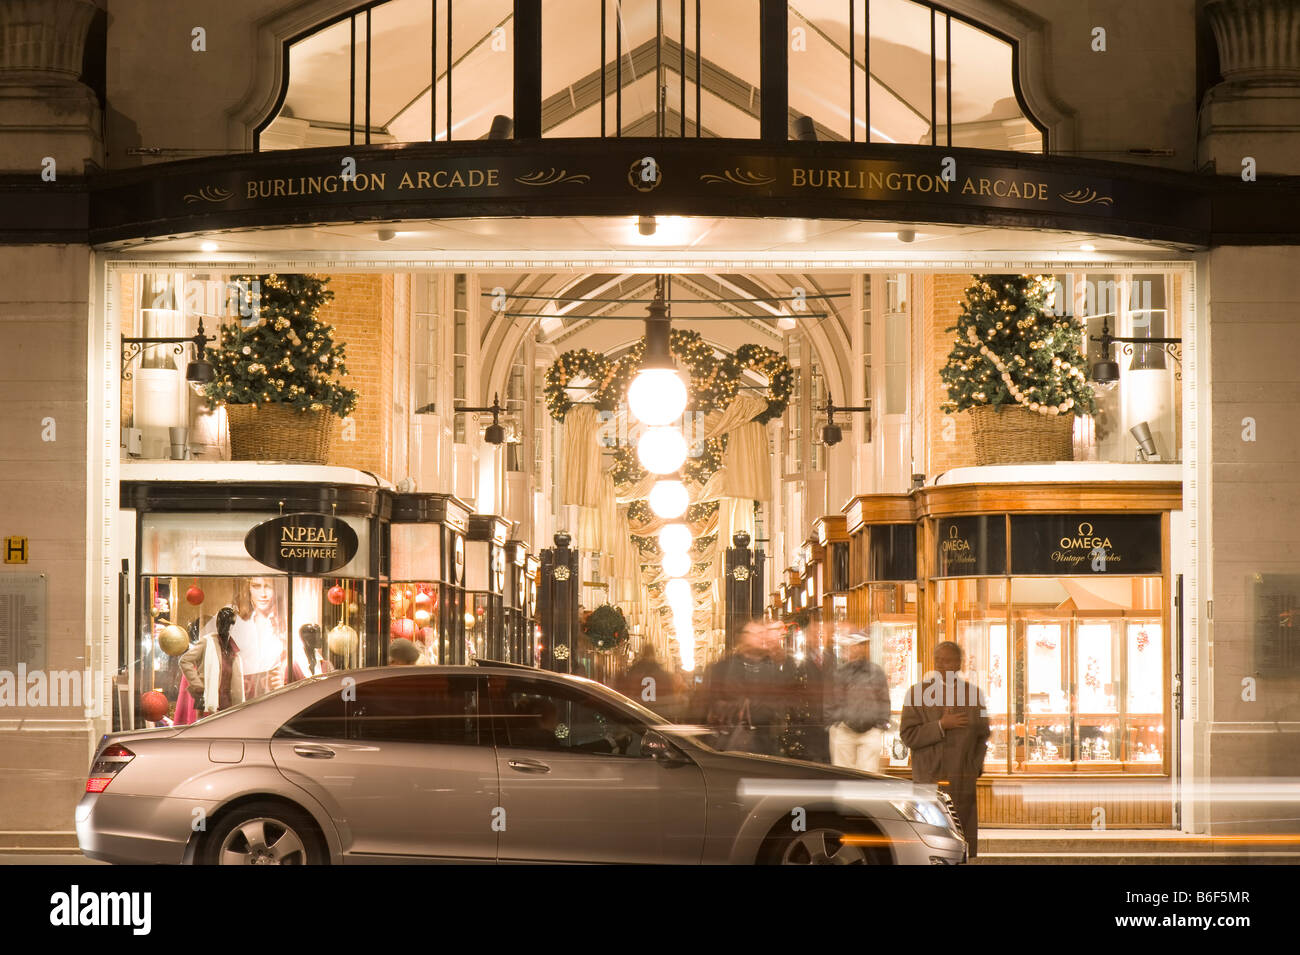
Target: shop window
892, 614
897, 71
1072, 668
284, 630
397, 71
642, 68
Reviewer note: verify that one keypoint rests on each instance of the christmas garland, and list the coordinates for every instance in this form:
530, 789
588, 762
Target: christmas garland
582, 363
771, 364
713, 382
606, 628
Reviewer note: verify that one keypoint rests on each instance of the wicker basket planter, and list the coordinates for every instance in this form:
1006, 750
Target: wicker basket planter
274, 432
1014, 435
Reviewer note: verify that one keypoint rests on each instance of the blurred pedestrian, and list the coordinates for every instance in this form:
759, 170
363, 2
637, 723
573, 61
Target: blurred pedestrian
745, 693
945, 723
652, 685
858, 710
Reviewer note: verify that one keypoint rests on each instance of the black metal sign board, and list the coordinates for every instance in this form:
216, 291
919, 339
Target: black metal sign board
971, 546
892, 554
1085, 544
605, 177
302, 543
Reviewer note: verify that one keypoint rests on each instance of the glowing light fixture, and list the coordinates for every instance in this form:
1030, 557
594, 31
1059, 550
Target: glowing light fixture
669, 498
677, 565
657, 395
661, 450
675, 538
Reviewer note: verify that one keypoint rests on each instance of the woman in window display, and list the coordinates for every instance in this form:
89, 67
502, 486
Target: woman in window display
260, 633
213, 667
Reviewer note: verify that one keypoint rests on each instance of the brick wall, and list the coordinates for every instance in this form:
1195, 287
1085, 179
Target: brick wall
944, 294
362, 316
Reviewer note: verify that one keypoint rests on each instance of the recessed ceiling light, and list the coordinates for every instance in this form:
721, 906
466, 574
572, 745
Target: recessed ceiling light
209, 246
1088, 247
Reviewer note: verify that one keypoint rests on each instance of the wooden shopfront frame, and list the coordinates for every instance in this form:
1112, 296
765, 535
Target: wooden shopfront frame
1005, 798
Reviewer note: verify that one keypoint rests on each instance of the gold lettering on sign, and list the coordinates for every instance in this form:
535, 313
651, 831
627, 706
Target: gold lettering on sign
292, 186
862, 180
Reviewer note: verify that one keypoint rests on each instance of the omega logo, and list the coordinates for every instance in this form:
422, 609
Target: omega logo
1085, 538
954, 543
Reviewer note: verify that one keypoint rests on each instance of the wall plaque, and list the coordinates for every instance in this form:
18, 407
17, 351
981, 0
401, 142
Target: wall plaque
971, 546
22, 621
302, 543
1085, 544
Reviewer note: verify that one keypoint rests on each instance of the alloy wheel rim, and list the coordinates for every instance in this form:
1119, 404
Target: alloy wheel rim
262, 841
823, 847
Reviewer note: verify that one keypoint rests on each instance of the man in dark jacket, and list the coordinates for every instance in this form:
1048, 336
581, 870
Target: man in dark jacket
858, 710
745, 696
945, 722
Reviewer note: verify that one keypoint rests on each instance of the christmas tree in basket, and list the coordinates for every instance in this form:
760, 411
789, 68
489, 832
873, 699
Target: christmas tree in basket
276, 371
1018, 368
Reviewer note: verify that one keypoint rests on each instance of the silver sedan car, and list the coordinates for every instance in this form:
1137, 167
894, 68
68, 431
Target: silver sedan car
488, 763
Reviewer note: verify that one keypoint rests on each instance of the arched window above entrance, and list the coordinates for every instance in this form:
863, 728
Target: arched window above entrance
882, 71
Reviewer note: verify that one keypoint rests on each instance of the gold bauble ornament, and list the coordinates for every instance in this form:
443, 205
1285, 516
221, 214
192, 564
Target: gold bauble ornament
342, 640
173, 640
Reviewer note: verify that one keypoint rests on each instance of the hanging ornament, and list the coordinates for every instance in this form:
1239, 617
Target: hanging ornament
194, 595
1142, 640
423, 601
173, 640
404, 628
335, 595
352, 607
154, 705
470, 621
342, 640
422, 618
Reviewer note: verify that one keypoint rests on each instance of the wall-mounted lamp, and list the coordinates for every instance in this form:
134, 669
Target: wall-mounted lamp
197, 372
1106, 371
831, 432
493, 433
1146, 444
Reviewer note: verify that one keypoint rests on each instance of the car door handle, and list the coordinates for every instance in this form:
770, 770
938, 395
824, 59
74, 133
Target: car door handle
528, 766
313, 751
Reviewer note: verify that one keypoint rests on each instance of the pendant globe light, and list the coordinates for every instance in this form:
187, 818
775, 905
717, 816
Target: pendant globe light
669, 498
677, 565
675, 539
661, 450
657, 395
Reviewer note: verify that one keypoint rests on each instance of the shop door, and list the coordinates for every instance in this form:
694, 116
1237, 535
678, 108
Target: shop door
577, 788
407, 769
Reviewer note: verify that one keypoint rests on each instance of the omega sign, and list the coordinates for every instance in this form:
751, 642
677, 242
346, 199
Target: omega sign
1084, 546
302, 543
972, 546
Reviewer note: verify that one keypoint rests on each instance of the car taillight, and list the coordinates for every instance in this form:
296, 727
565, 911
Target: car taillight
107, 764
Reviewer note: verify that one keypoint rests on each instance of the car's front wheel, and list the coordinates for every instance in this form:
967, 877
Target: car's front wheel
828, 840
262, 834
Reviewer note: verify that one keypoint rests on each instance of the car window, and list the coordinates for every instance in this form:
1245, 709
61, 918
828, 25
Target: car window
428, 708
540, 715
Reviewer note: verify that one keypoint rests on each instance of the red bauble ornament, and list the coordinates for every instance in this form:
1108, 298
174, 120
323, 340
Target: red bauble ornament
194, 595
154, 706
423, 601
334, 595
404, 628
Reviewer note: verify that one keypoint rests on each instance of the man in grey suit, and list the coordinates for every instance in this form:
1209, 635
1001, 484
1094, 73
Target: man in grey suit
945, 723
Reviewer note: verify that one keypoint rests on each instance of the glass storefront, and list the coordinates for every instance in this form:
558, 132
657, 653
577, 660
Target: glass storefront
284, 627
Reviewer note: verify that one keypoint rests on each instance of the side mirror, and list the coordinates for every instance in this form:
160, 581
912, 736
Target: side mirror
657, 747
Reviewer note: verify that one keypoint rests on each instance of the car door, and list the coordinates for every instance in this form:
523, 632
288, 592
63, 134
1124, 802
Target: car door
406, 769
577, 784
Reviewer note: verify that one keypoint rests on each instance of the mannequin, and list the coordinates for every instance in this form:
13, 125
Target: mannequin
308, 658
260, 634
213, 668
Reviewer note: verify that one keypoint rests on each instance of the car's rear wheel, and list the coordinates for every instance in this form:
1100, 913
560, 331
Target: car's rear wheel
262, 834
828, 840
